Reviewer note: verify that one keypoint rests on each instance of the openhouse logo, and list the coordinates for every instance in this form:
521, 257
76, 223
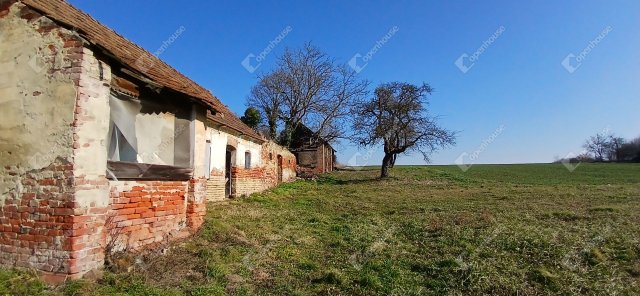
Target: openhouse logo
252, 62
465, 62
572, 62
358, 62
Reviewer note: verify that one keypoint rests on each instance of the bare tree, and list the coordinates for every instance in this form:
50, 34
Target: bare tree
267, 97
615, 145
308, 78
397, 118
307, 87
598, 145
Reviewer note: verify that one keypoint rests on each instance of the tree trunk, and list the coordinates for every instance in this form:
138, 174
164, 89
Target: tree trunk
386, 163
393, 161
273, 124
287, 134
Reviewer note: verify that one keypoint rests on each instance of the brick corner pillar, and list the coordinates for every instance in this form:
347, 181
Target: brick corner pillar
86, 240
197, 191
196, 203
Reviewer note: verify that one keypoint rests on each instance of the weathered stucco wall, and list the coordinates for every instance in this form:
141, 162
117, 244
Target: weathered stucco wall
54, 194
265, 176
37, 96
218, 146
262, 173
197, 190
219, 141
91, 199
270, 153
51, 180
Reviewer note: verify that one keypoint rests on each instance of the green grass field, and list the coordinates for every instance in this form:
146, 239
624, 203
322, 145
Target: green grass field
495, 229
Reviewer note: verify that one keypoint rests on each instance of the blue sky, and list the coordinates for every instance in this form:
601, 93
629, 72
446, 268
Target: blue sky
516, 104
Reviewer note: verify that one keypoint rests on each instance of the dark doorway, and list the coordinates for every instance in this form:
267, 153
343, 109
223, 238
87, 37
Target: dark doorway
228, 175
279, 169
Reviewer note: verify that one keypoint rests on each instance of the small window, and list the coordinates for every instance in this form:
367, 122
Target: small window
270, 156
247, 160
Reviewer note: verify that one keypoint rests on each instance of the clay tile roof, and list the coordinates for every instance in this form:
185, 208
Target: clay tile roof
137, 58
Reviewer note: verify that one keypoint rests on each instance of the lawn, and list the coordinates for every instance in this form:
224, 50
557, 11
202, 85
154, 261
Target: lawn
495, 229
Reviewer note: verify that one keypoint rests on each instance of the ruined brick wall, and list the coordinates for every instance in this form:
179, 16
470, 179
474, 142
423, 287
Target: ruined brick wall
55, 198
196, 202
145, 212
197, 193
90, 126
36, 219
48, 221
262, 174
247, 181
271, 152
265, 176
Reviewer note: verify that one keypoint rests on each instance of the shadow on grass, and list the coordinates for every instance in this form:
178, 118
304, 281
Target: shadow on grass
358, 169
333, 180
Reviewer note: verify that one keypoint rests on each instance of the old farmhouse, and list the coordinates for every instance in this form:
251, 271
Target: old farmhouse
104, 147
314, 155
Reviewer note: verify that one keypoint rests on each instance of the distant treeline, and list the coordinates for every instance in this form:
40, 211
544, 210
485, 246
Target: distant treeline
607, 147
